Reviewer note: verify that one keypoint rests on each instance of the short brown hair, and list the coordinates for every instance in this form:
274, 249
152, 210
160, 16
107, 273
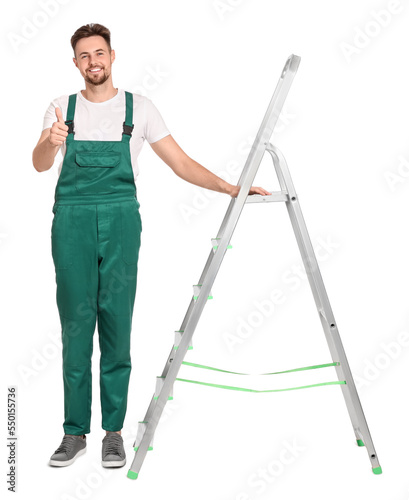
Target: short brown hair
91, 30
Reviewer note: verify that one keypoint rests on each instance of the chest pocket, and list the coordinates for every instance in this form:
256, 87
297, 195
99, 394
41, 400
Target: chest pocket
97, 172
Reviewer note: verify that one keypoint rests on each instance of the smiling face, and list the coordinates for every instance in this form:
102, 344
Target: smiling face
93, 59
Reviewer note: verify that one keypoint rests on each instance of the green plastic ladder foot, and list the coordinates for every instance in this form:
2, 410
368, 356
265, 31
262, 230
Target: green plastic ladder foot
377, 470
132, 475
360, 442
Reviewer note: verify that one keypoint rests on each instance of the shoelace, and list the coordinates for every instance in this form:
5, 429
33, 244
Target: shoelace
66, 445
113, 443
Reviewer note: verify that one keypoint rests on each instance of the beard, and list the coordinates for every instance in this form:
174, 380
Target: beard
102, 78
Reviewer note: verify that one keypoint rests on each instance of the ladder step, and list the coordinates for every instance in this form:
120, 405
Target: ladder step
141, 431
196, 291
159, 384
178, 338
274, 196
215, 243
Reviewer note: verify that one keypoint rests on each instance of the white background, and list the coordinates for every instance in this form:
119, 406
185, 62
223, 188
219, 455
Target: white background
211, 68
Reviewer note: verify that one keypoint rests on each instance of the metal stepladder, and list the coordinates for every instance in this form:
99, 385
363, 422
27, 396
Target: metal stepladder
202, 291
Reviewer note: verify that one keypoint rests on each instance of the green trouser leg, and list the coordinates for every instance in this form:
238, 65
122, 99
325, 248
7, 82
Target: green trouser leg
95, 251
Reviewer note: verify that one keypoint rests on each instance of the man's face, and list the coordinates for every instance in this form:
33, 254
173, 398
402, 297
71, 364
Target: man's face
93, 59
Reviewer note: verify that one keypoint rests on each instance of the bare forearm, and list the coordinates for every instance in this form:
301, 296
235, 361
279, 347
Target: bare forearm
188, 169
44, 154
193, 172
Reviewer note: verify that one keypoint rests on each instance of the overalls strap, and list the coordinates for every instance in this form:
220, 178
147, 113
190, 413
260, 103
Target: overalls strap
128, 125
70, 113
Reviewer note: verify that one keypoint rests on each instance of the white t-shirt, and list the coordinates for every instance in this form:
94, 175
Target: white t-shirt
103, 121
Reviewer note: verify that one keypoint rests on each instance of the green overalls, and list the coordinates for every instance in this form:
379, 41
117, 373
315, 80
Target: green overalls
95, 239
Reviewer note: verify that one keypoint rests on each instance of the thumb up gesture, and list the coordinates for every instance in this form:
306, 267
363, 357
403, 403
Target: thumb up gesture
59, 130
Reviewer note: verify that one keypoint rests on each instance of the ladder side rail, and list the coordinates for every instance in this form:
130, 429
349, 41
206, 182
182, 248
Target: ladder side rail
286, 183
275, 107
329, 324
152, 403
223, 225
188, 313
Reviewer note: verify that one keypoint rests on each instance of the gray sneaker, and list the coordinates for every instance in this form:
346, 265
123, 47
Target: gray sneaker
113, 453
71, 447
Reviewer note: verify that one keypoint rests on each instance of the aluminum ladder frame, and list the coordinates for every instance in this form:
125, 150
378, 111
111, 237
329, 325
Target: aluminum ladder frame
202, 291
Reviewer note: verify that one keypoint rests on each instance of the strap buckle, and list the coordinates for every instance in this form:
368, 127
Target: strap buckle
128, 129
70, 125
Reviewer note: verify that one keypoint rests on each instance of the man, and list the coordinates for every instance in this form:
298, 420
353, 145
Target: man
96, 229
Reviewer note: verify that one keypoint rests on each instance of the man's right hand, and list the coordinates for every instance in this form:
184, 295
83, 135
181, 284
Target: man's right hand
59, 130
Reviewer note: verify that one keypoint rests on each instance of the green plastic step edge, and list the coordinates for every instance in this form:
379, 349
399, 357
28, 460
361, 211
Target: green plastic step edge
360, 442
176, 346
232, 388
196, 365
156, 397
149, 449
132, 474
336, 363
377, 470
228, 246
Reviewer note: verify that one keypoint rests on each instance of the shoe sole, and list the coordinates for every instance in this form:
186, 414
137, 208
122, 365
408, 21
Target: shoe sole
60, 463
113, 463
